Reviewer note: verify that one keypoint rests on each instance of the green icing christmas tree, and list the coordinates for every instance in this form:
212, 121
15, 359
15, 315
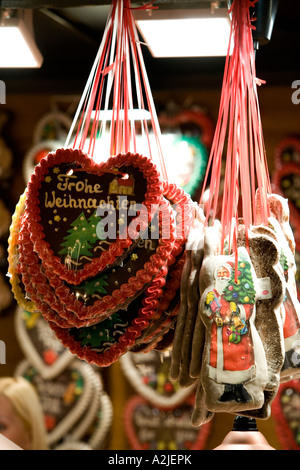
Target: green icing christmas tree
81, 238
242, 291
95, 286
95, 336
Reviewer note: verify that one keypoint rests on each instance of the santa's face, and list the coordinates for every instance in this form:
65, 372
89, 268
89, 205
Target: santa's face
223, 273
222, 278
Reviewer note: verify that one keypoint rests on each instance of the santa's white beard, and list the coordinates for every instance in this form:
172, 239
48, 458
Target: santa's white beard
221, 285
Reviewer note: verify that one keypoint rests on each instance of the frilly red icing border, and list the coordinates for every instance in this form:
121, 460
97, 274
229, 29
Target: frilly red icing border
150, 302
153, 196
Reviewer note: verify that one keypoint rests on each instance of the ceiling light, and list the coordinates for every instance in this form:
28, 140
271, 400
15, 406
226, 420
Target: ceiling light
17, 45
185, 33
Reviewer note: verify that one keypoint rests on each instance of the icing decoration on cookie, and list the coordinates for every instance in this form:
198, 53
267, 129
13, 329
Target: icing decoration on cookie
53, 126
149, 375
64, 398
40, 345
286, 416
73, 445
64, 196
97, 434
152, 428
95, 424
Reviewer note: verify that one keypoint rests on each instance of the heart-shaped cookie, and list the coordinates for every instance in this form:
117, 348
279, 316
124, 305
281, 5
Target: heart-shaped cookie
286, 414
105, 342
287, 151
287, 183
39, 344
17, 286
151, 428
64, 398
149, 375
95, 424
66, 195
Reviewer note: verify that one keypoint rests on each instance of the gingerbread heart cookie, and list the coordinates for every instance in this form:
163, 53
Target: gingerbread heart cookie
66, 195
152, 428
285, 412
149, 375
105, 342
14, 273
64, 398
286, 181
39, 344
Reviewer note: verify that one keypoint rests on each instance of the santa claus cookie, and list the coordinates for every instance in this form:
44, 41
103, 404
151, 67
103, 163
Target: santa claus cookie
192, 241
290, 307
234, 369
189, 350
265, 254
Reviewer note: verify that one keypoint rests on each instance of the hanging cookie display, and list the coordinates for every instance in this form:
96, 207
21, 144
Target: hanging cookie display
151, 428
98, 248
234, 349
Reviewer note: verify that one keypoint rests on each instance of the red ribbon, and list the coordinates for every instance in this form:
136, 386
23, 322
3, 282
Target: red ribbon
239, 123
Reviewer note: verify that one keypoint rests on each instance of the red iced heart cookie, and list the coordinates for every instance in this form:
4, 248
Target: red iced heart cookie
288, 151
285, 410
103, 343
188, 135
287, 183
150, 428
64, 196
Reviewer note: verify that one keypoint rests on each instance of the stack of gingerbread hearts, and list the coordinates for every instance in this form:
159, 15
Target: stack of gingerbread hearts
77, 411
98, 249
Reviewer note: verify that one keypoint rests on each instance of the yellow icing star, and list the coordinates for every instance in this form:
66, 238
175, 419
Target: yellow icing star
57, 218
56, 170
120, 221
134, 257
48, 179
